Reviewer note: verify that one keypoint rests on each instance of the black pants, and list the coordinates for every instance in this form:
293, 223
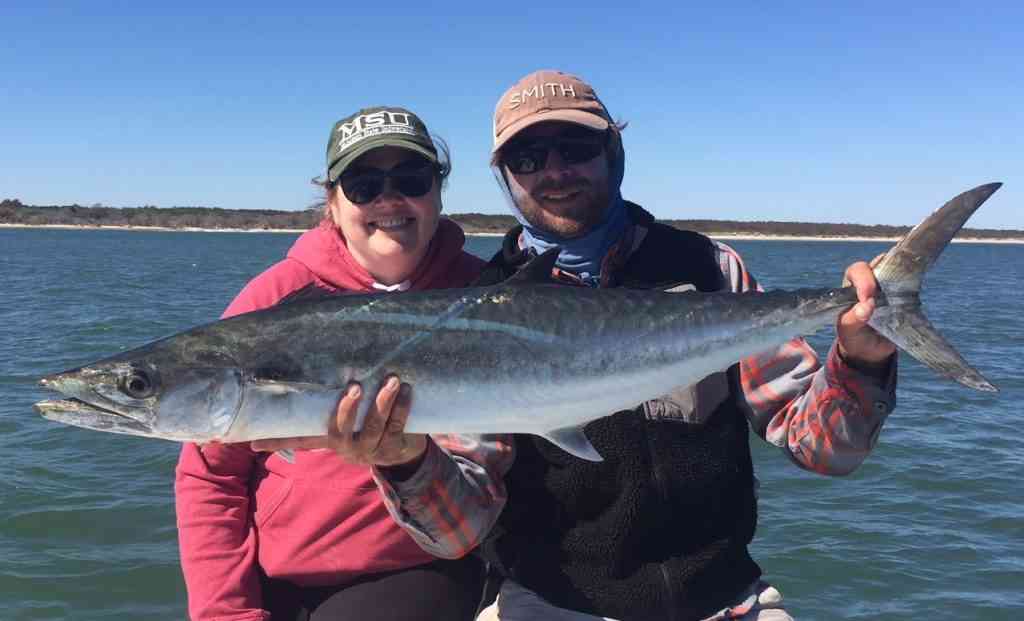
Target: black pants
439, 590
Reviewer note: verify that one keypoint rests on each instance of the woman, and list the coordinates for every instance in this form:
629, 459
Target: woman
275, 536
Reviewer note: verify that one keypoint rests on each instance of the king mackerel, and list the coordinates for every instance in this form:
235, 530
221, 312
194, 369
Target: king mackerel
500, 359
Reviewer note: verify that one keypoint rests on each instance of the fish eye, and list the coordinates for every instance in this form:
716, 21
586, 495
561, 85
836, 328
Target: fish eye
138, 384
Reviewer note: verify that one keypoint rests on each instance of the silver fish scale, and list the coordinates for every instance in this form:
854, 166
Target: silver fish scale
543, 330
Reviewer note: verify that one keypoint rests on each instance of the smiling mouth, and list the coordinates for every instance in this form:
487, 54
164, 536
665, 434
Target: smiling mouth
560, 196
391, 224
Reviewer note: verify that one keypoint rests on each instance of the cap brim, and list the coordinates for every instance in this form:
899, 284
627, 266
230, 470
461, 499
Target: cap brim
369, 145
579, 117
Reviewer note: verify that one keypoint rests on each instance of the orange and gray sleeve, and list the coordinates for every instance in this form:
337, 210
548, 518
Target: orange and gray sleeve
827, 418
454, 498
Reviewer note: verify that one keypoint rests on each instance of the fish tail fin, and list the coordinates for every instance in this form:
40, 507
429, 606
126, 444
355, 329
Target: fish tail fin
900, 274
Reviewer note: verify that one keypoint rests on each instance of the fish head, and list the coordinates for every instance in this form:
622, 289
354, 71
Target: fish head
148, 395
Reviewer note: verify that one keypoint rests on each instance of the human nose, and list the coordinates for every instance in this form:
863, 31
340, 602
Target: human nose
388, 192
555, 161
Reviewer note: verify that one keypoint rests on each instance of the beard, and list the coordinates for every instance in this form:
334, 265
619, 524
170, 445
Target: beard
585, 208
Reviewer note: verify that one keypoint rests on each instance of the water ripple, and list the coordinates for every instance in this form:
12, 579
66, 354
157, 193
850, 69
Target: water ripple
932, 526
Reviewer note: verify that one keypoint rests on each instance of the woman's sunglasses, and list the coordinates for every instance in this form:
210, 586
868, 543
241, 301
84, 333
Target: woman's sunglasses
364, 185
530, 156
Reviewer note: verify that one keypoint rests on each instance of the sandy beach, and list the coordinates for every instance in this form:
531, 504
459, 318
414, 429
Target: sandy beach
721, 236
956, 240
146, 228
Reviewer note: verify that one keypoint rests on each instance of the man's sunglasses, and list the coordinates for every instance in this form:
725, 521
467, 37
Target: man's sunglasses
364, 185
528, 157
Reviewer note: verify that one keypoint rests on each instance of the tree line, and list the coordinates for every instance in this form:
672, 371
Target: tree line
13, 211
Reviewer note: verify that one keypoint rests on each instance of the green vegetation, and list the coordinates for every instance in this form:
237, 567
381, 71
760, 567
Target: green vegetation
13, 211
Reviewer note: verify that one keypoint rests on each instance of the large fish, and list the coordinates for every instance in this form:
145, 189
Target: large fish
524, 356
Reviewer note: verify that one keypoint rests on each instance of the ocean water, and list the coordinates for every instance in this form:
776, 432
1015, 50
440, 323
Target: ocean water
931, 527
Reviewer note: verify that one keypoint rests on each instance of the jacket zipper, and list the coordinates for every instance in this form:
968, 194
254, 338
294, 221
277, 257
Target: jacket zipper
659, 484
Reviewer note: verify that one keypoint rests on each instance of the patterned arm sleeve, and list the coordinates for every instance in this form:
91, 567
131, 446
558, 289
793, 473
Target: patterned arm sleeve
451, 502
827, 418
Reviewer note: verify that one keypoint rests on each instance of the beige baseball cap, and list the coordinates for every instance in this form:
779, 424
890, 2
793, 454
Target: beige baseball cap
547, 95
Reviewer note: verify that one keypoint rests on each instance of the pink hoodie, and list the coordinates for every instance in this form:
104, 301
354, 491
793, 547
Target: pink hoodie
318, 521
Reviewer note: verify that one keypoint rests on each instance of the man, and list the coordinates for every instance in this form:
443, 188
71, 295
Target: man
660, 528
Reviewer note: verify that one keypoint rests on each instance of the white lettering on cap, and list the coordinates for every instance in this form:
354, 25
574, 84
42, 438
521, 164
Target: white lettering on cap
540, 91
374, 124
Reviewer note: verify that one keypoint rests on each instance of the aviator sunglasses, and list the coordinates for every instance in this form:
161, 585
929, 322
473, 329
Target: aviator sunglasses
531, 155
413, 180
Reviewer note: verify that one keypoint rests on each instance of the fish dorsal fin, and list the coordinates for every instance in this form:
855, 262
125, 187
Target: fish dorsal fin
572, 440
537, 270
310, 293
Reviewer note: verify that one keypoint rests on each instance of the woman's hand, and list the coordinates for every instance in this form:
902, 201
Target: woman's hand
382, 441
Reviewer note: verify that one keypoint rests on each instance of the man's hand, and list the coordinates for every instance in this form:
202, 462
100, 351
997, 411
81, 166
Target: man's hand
858, 342
382, 441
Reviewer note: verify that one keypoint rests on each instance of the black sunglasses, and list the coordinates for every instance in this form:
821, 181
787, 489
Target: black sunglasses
531, 155
362, 186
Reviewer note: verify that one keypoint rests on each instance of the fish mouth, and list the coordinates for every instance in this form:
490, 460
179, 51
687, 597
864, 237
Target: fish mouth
79, 413
70, 404
80, 392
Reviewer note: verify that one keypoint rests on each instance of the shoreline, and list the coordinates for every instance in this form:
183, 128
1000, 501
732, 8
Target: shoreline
185, 229
719, 236
755, 237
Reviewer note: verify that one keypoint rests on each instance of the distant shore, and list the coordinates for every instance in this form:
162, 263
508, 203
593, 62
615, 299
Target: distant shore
713, 235
169, 229
824, 238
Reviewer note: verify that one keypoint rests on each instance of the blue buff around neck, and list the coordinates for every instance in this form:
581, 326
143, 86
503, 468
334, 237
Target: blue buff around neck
581, 256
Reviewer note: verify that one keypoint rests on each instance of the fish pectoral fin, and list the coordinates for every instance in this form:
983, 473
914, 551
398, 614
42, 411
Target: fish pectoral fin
678, 288
573, 440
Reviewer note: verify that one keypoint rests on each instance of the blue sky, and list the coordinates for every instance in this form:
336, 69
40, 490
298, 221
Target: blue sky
868, 112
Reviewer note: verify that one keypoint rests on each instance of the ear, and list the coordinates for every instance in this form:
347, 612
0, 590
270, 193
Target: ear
330, 205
